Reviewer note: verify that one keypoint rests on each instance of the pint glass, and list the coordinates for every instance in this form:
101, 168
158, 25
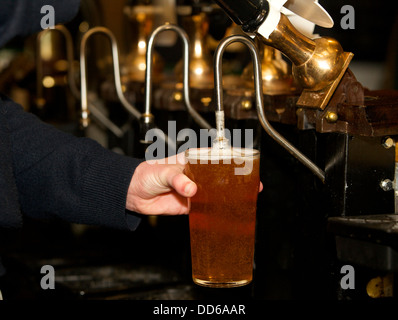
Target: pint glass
222, 218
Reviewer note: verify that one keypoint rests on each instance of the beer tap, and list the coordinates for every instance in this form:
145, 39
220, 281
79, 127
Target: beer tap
147, 118
276, 73
318, 65
97, 113
141, 15
95, 110
259, 101
119, 90
69, 56
194, 20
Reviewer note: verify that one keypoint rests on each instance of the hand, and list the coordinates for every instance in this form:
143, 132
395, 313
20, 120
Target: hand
160, 188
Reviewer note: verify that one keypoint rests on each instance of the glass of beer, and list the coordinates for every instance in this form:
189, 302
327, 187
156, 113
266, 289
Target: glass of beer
222, 218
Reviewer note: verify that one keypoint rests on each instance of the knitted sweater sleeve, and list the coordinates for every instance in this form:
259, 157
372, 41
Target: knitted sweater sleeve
23, 17
73, 178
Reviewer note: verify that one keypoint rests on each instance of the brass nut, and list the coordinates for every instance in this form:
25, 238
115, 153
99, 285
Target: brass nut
381, 287
299, 111
331, 117
374, 288
388, 142
206, 101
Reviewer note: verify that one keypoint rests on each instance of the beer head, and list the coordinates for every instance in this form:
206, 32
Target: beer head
241, 158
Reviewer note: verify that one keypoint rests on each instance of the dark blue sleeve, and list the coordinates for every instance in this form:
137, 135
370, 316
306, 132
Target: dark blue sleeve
23, 17
73, 178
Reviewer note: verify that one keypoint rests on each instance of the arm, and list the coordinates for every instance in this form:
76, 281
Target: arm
73, 178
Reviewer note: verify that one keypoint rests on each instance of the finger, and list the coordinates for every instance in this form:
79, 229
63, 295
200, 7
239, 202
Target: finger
261, 187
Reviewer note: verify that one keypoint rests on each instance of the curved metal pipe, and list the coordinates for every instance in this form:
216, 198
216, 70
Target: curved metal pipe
69, 57
71, 78
259, 99
116, 70
148, 74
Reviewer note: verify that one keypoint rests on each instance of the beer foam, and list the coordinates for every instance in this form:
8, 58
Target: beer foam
216, 153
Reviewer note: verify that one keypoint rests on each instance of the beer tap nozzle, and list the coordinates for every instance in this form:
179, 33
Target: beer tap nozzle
259, 98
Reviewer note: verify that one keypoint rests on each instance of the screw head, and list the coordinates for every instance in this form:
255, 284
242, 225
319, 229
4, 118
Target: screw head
386, 185
388, 142
331, 117
299, 111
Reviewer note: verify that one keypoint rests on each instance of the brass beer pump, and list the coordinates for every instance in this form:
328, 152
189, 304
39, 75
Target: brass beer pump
201, 63
142, 21
276, 74
141, 18
193, 18
318, 65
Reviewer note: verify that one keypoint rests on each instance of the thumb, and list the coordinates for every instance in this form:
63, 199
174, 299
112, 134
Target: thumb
174, 178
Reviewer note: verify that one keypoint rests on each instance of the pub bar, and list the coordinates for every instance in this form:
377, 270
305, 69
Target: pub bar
301, 97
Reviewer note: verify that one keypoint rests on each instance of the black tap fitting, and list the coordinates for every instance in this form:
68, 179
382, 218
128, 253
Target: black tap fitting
249, 14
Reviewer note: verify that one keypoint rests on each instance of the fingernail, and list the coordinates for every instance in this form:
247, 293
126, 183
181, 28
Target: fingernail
188, 189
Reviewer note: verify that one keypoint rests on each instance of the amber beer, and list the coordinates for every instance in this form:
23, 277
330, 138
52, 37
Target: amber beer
222, 218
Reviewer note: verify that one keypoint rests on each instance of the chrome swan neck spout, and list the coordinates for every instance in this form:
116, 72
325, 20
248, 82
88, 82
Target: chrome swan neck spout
116, 70
259, 98
186, 85
70, 59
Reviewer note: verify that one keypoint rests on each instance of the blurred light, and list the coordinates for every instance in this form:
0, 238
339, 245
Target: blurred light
198, 71
141, 44
198, 49
48, 82
142, 66
84, 27
61, 65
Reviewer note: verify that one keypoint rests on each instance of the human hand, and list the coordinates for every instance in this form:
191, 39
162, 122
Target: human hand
160, 187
